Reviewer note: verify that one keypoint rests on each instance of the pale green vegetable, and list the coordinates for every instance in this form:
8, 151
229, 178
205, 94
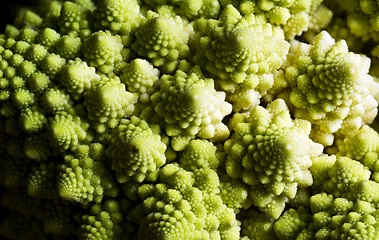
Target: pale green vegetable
190, 119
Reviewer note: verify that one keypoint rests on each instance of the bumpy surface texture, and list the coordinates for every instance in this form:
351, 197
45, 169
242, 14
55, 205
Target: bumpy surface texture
190, 120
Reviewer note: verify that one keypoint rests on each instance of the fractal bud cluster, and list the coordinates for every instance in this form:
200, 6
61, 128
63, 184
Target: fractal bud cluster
190, 119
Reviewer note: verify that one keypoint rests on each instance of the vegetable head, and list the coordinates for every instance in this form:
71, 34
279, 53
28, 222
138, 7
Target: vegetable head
190, 119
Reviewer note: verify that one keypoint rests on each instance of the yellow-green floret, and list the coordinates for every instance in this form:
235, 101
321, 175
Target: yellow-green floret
330, 87
191, 107
136, 150
184, 205
83, 176
107, 102
241, 52
164, 41
272, 153
343, 205
294, 17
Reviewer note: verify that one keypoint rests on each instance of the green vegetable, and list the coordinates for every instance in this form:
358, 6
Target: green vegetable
190, 119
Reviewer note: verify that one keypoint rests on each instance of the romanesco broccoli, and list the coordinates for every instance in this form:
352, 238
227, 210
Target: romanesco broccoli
190, 119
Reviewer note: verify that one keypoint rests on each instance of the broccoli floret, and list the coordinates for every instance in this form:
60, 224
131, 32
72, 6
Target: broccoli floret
139, 75
102, 50
272, 153
41, 181
257, 225
343, 205
36, 147
199, 154
136, 150
117, 15
107, 102
330, 87
191, 107
84, 177
292, 223
65, 132
362, 146
73, 19
234, 49
164, 41
77, 77
184, 205
103, 221
294, 17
